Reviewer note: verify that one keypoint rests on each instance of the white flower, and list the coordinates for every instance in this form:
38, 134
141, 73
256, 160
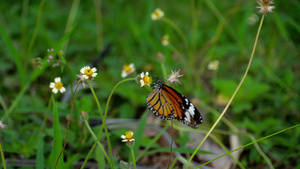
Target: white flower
157, 14
173, 78
264, 6
127, 70
88, 73
165, 40
127, 137
145, 79
214, 65
2, 126
57, 86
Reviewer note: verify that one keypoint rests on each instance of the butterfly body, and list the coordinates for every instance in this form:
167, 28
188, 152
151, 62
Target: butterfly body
168, 104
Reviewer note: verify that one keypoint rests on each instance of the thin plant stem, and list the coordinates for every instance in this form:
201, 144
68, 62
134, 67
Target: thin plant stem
2, 103
103, 124
36, 29
235, 129
172, 134
2, 156
15, 102
152, 142
97, 101
133, 158
103, 119
177, 158
92, 149
176, 28
98, 17
174, 50
235, 92
278, 132
93, 134
70, 22
113, 90
67, 134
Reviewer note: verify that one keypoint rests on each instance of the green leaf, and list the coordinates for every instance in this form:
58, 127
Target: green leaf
99, 156
138, 135
57, 144
40, 154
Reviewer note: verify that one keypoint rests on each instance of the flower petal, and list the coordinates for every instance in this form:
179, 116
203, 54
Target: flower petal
57, 79
52, 85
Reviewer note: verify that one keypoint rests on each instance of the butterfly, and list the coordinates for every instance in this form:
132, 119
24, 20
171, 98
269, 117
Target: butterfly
168, 104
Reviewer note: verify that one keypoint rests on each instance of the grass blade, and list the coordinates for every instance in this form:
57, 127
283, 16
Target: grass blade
57, 144
40, 154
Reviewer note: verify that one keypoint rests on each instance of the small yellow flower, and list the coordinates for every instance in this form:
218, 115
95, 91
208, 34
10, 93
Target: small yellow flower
145, 79
173, 78
165, 40
157, 14
264, 6
88, 73
127, 70
214, 65
57, 86
128, 137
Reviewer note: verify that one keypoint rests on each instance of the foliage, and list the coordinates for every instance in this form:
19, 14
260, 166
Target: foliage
199, 31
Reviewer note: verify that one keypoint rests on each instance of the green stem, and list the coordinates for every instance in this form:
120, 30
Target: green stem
163, 68
2, 156
2, 103
152, 142
235, 92
93, 134
15, 102
97, 101
103, 124
133, 159
176, 28
250, 143
103, 119
98, 24
92, 149
113, 90
36, 29
70, 21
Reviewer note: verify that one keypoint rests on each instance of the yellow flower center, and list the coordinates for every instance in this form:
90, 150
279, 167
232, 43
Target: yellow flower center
58, 85
88, 72
129, 135
147, 79
127, 68
156, 14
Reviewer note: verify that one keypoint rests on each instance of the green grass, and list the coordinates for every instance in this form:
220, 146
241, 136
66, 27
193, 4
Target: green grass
199, 31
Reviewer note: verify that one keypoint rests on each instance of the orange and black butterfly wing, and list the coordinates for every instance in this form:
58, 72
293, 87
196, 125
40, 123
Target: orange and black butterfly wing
167, 103
184, 110
160, 104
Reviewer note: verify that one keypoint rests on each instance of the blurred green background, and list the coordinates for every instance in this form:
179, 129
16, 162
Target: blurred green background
216, 30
